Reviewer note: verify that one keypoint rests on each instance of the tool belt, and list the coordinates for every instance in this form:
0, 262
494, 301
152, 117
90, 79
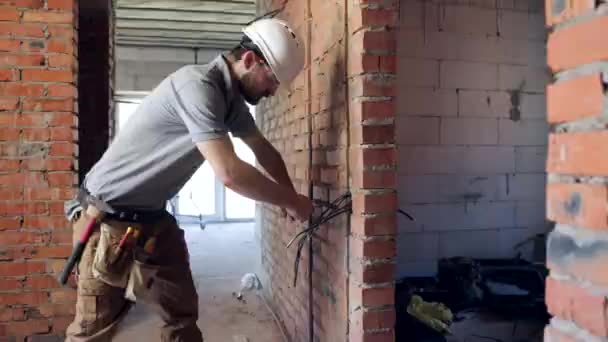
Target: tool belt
118, 213
125, 238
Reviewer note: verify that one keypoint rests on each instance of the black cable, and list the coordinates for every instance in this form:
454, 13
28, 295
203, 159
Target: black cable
333, 209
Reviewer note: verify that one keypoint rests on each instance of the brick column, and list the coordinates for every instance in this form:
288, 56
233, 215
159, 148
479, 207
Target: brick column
371, 78
37, 164
577, 166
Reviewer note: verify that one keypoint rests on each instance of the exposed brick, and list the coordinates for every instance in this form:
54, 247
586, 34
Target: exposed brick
374, 225
569, 301
578, 44
372, 17
372, 134
374, 179
58, 61
362, 158
28, 327
9, 45
9, 103
60, 46
362, 111
9, 14
578, 204
580, 153
8, 74
48, 17
371, 86
567, 255
23, 3
61, 4
374, 203
21, 268
21, 60
559, 11
23, 30
47, 75
372, 273
376, 296
579, 98
21, 89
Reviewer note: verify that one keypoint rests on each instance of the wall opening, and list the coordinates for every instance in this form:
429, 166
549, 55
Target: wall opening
471, 133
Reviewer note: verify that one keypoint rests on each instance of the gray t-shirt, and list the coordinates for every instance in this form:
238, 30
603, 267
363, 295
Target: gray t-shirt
154, 154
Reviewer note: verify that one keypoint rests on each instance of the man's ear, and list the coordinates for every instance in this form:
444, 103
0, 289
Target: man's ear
248, 59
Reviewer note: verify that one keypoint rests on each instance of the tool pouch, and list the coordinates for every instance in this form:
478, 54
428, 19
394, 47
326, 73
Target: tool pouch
110, 264
141, 280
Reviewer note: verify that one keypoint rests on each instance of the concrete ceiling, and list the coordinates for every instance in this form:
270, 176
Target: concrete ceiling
182, 23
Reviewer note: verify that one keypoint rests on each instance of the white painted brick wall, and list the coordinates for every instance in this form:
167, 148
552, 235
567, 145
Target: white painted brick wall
481, 103
530, 158
418, 246
470, 188
418, 189
522, 132
521, 25
533, 106
531, 214
523, 186
469, 131
526, 78
420, 160
468, 75
416, 268
460, 216
475, 244
412, 130
427, 101
447, 45
466, 71
465, 19
418, 72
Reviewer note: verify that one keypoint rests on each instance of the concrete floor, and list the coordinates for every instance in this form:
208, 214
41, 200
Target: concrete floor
220, 255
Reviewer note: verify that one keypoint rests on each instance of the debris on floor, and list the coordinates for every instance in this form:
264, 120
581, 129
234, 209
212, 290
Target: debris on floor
435, 315
488, 299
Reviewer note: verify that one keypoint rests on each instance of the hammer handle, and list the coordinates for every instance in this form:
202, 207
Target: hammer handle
77, 252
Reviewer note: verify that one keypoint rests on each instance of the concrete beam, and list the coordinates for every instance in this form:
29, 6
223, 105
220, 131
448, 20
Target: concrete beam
164, 42
243, 7
178, 25
178, 34
185, 16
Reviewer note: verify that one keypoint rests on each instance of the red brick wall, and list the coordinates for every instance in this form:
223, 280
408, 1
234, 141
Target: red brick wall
577, 166
334, 127
37, 167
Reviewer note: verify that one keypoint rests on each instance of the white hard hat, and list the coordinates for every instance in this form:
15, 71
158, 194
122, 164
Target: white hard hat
280, 47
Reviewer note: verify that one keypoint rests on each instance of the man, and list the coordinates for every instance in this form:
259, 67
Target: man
139, 252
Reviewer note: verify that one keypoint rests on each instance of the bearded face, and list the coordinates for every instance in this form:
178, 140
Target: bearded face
258, 81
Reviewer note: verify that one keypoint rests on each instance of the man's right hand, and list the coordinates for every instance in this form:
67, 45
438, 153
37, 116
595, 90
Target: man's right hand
301, 208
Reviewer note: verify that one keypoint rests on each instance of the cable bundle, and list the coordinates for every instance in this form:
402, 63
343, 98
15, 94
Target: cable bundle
339, 206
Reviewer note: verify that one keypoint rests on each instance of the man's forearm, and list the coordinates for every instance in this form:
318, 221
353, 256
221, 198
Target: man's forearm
274, 165
249, 182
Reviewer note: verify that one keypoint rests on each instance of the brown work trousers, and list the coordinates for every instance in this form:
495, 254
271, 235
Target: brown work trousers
100, 307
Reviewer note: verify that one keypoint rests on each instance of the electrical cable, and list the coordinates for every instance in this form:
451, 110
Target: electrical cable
339, 206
